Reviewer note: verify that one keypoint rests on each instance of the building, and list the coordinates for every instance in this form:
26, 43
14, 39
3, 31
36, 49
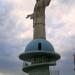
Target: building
54, 72
39, 53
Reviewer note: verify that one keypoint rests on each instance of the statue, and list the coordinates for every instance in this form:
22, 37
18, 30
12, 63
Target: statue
38, 17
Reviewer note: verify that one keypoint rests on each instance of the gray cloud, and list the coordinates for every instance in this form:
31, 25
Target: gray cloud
10, 43
68, 2
8, 63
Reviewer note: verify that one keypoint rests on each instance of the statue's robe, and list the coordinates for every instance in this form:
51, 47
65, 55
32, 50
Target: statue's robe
39, 18
39, 11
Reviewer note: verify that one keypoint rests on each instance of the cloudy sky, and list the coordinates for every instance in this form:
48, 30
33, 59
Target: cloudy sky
16, 32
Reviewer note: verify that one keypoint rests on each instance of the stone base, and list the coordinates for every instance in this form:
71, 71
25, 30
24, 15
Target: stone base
40, 71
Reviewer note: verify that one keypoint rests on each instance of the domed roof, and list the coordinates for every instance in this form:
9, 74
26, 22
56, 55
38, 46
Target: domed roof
39, 45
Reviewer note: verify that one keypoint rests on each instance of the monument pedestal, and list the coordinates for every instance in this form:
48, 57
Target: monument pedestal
43, 70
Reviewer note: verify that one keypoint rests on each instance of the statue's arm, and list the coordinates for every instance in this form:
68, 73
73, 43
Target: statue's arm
30, 16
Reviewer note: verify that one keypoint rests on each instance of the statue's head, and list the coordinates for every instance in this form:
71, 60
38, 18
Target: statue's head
37, 0
46, 2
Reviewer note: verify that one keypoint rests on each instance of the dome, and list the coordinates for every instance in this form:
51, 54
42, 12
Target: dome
39, 45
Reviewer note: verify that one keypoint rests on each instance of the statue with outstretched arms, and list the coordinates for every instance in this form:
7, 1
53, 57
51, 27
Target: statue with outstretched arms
38, 17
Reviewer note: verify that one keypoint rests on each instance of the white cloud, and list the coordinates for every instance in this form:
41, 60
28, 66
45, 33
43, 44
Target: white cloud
4, 74
1, 74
